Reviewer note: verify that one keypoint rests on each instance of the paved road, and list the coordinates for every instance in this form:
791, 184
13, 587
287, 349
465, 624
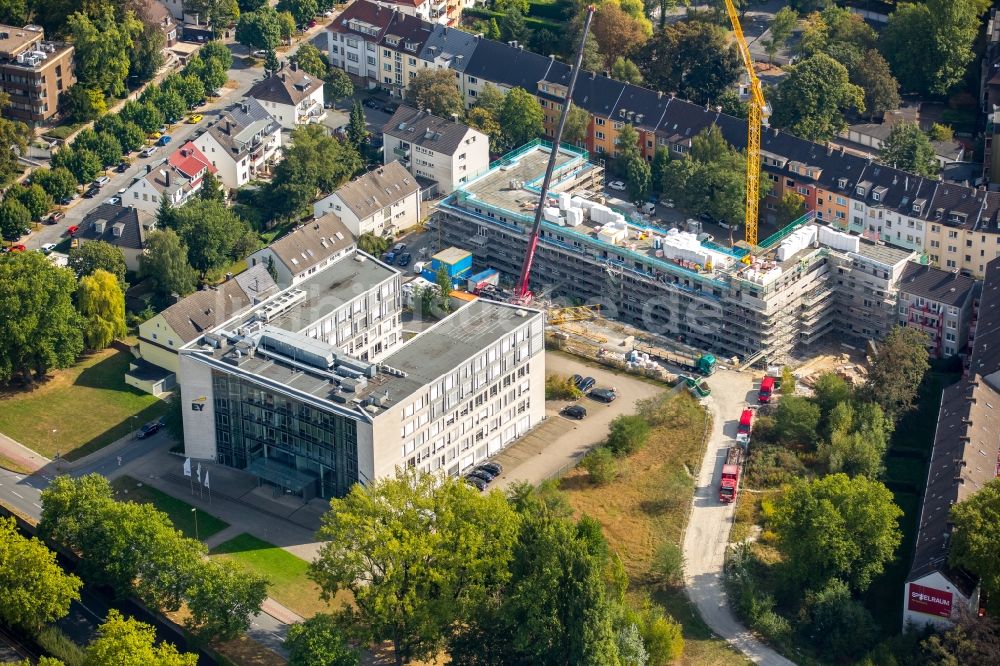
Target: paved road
707, 534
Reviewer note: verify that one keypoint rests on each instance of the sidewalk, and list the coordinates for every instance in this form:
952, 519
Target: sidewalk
21, 455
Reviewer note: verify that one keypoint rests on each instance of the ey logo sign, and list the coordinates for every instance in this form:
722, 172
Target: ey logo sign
198, 404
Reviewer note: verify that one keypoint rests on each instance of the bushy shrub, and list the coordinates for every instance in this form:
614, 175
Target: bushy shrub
627, 434
561, 387
668, 563
600, 465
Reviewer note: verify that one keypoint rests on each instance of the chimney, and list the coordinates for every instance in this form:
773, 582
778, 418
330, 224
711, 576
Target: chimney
229, 126
166, 175
659, 94
282, 76
294, 66
149, 167
829, 149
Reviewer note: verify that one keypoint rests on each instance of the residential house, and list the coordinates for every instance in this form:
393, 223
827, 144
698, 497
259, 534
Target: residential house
965, 457
306, 249
420, 9
161, 336
243, 143
125, 227
888, 205
156, 14
385, 202
34, 73
939, 303
866, 139
177, 178
444, 151
291, 96
399, 51
448, 48
352, 39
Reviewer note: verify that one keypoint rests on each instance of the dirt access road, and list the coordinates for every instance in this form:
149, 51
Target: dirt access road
707, 533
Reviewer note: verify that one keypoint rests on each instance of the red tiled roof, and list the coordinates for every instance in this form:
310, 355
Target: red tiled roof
189, 160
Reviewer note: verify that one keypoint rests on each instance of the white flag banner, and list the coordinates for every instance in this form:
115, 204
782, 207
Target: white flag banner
187, 467
206, 480
199, 472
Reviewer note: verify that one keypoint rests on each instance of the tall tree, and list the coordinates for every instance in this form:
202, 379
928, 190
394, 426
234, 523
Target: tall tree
211, 188
692, 58
302, 10
34, 590
311, 60
101, 303
791, 207
625, 70
634, 164
810, 101
13, 144
436, 91
577, 123
781, 29
908, 148
102, 45
520, 118
319, 642
124, 641
836, 527
357, 128
260, 29
213, 233
165, 263
974, 640
339, 85
87, 258
40, 329
897, 370
617, 33
873, 75
314, 164
414, 550
14, 12
146, 54
481, 119
224, 599
58, 183
33, 197
976, 535
930, 45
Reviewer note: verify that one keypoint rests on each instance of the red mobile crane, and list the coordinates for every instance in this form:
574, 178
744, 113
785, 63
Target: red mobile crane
522, 294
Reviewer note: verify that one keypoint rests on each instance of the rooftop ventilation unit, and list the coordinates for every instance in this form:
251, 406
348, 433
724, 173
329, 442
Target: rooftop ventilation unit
281, 304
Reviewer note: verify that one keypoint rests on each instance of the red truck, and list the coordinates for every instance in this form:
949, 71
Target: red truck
730, 483
765, 390
743, 429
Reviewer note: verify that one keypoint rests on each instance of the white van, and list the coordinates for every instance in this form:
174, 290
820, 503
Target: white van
418, 267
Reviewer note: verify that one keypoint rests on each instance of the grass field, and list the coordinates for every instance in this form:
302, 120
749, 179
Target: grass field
179, 512
88, 406
290, 586
12, 466
647, 505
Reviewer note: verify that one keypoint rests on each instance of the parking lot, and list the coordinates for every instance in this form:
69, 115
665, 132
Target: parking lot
558, 443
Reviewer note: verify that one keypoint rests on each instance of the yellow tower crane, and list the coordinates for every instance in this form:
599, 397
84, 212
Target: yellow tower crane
758, 110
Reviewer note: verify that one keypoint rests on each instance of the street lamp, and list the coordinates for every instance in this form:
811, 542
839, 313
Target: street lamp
195, 512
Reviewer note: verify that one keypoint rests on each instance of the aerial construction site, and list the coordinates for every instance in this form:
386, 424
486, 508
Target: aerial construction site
751, 303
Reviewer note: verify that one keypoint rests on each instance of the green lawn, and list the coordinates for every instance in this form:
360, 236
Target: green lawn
62, 131
289, 584
180, 513
88, 406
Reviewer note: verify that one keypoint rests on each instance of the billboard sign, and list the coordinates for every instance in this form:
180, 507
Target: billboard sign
929, 600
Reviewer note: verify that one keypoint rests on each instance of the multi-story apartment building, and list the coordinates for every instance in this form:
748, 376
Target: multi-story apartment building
34, 72
305, 250
399, 52
273, 393
242, 144
806, 282
291, 96
384, 201
443, 151
965, 457
838, 186
353, 37
939, 303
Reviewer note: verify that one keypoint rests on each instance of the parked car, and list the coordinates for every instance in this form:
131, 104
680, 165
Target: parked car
100, 181
195, 119
576, 380
17, 248
494, 468
617, 185
122, 167
577, 412
72, 230
113, 201
148, 152
56, 216
586, 384
153, 136
476, 482
603, 395
482, 474
404, 259
312, 23
148, 430
92, 192
390, 258
164, 140
65, 201
259, 53
48, 248
399, 248
390, 108
371, 103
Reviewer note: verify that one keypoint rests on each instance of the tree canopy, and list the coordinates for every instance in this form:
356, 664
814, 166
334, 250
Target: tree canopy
319, 641
165, 263
260, 29
41, 329
907, 148
436, 91
836, 527
810, 101
101, 302
102, 41
520, 118
975, 536
125, 641
691, 58
214, 235
315, 163
897, 370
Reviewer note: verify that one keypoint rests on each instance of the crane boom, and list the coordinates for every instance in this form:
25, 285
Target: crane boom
523, 292
758, 109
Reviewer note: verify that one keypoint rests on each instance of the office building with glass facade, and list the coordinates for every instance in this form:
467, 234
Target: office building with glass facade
278, 394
